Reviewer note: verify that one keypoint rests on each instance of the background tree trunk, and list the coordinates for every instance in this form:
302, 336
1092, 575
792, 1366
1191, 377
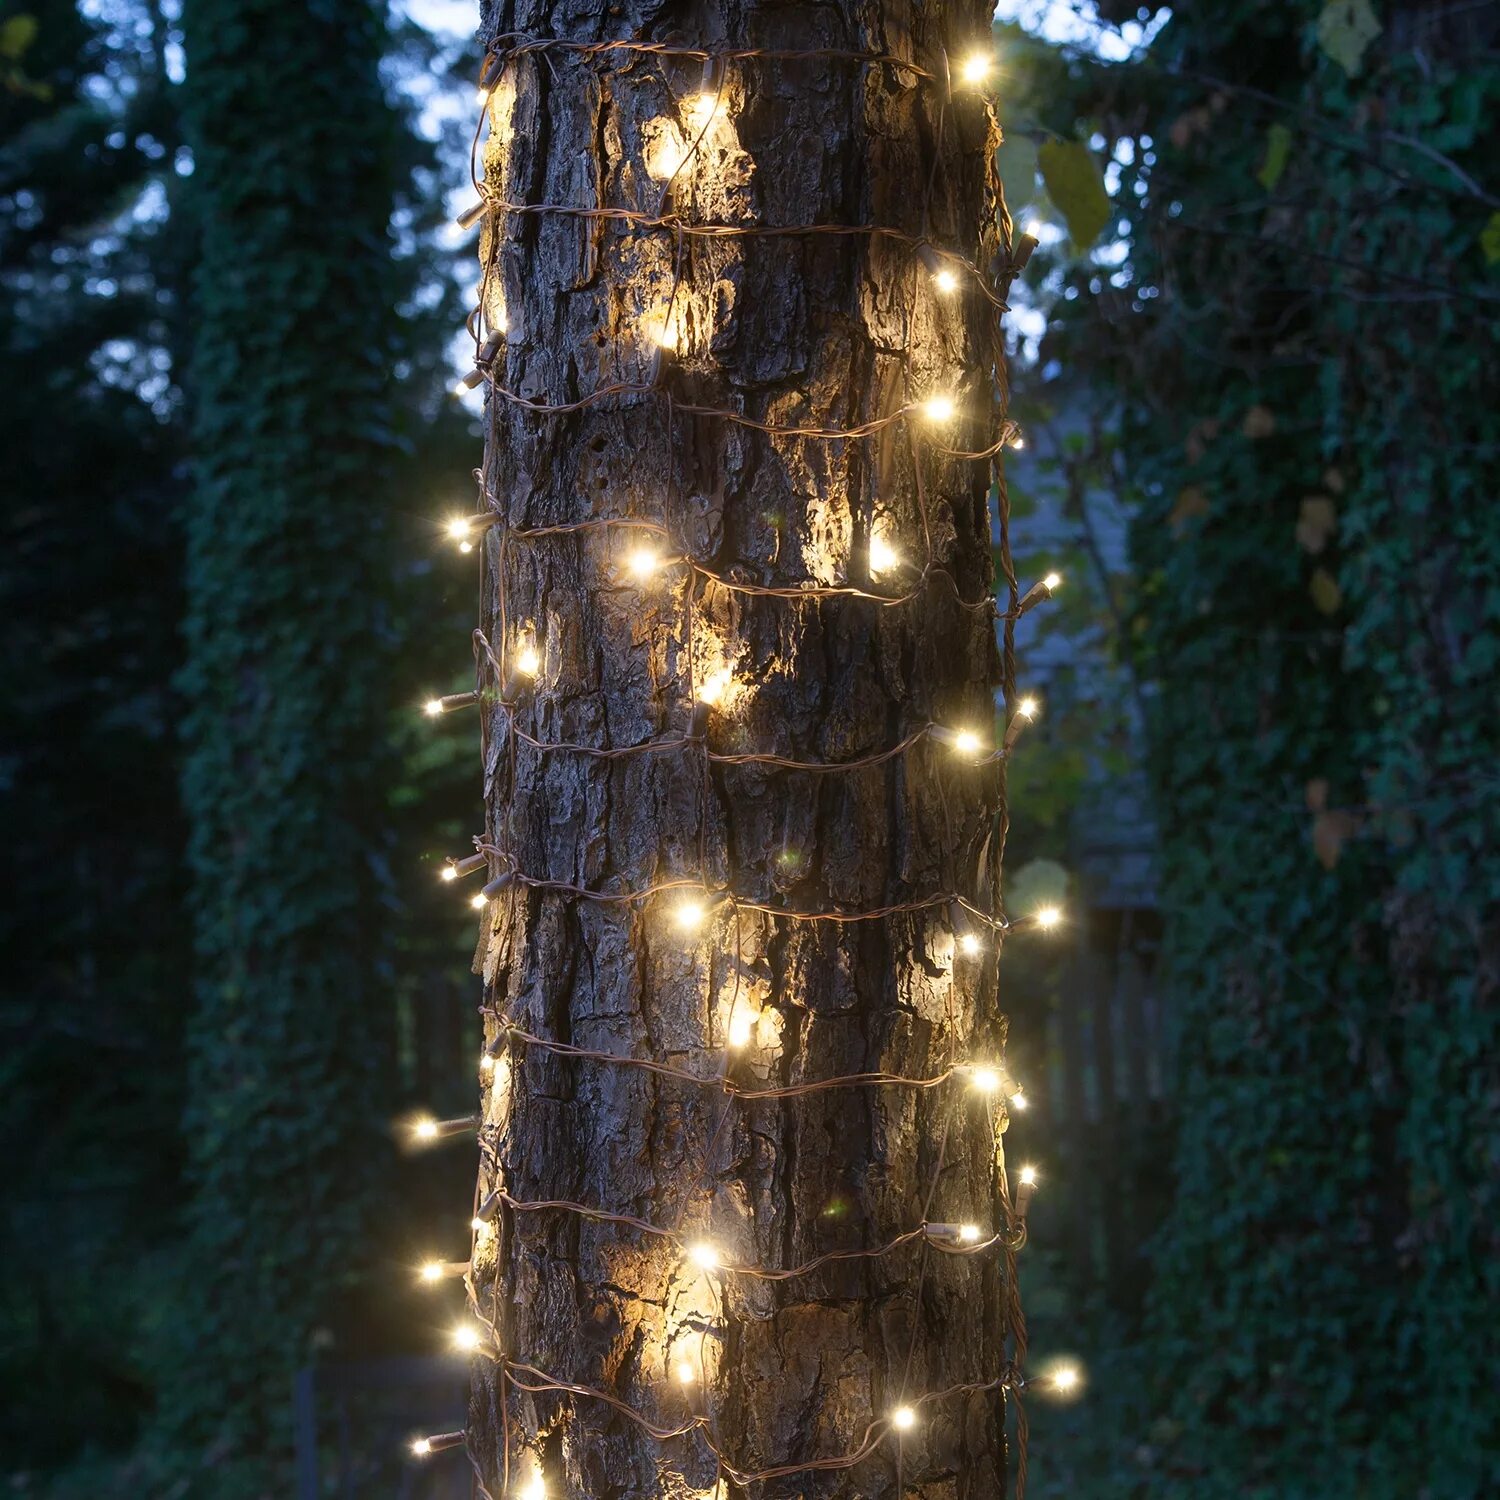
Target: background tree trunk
824, 332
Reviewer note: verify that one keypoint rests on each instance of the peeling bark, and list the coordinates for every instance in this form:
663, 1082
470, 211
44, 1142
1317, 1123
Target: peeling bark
810, 331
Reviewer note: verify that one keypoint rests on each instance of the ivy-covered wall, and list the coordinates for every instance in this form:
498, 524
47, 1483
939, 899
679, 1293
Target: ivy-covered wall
1319, 594
292, 145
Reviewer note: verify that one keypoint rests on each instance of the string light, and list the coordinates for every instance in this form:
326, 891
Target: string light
1026, 711
1037, 592
424, 1130
433, 1271
445, 705
883, 557
642, 563
975, 68
479, 901
436, 1442
666, 156
466, 1338
704, 1256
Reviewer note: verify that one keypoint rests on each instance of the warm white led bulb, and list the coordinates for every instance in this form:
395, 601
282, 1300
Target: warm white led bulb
1064, 1378
1027, 708
741, 1028
478, 901
1051, 581
968, 1233
689, 916
432, 1271
479, 1226
1028, 1176
528, 660
486, 1063
703, 1255
643, 562
714, 689
1018, 1100
458, 528
421, 1447
535, 1489
685, 1372
938, 409
986, 1080
945, 281
969, 944
448, 873
1048, 917
903, 1419
432, 707
975, 67
466, 1338
883, 557
703, 110
966, 742
425, 1130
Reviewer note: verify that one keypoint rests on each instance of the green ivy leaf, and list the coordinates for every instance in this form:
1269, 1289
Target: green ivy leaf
17, 33
1278, 148
1489, 240
1345, 29
1017, 162
1076, 185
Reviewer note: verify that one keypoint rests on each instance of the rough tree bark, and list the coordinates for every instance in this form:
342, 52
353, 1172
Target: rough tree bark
806, 331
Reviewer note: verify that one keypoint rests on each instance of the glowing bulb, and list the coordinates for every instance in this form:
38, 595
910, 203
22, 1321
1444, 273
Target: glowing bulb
486, 1063
664, 332
689, 916
704, 109
686, 1374
1018, 1100
1051, 581
432, 1271
968, 1233
1028, 1176
714, 689
945, 281
528, 661
966, 742
479, 1226
432, 707
479, 901
976, 67
883, 557
535, 1489
1027, 708
1048, 917
466, 1338
466, 546
425, 1130
449, 873
643, 562
969, 944
421, 1447
458, 528
703, 1255
938, 409
986, 1080
903, 1419
741, 1028
1065, 1378
1017, 442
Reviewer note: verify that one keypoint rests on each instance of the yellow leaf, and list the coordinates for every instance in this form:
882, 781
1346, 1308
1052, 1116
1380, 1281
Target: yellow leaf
1076, 185
17, 33
1326, 595
1316, 521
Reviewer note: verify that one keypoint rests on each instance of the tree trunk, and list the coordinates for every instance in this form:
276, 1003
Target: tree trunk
802, 331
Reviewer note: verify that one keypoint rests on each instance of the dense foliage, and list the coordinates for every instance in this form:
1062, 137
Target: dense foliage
92, 930
1304, 403
287, 644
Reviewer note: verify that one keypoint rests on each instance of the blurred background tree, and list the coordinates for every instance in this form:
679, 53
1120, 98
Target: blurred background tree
1260, 405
